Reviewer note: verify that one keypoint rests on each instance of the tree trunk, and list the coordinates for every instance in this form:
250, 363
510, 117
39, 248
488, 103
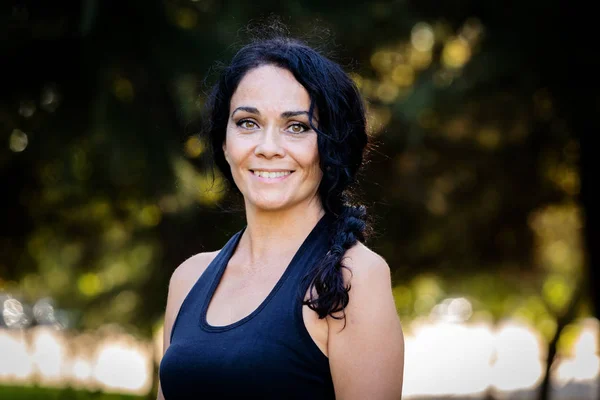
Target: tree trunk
563, 320
579, 105
585, 106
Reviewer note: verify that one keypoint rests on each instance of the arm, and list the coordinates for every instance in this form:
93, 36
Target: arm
183, 279
367, 356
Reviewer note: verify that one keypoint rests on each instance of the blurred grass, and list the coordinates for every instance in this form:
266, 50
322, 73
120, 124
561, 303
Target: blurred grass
37, 393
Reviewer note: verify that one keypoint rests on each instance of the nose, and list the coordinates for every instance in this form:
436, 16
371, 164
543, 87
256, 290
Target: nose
269, 144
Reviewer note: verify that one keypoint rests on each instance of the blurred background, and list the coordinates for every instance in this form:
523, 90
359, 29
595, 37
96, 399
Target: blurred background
479, 185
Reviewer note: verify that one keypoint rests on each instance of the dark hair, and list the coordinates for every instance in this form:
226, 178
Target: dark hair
342, 141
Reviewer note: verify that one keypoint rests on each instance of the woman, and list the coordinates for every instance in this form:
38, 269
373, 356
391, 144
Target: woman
271, 315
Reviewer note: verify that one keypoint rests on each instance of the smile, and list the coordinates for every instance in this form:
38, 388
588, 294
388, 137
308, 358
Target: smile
271, 175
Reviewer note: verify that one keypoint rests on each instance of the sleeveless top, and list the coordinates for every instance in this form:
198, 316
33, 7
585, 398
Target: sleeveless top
268, 354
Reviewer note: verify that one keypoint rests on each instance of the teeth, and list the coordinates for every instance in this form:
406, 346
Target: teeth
271, 175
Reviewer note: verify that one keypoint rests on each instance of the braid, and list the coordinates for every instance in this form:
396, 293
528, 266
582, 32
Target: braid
327, 278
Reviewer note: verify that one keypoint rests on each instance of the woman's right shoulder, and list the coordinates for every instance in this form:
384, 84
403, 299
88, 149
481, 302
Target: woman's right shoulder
188, 272
182, 280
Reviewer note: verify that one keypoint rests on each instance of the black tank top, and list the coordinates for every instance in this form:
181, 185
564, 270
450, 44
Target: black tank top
268, 354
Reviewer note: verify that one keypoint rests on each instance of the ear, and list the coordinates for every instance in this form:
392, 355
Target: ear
225, 152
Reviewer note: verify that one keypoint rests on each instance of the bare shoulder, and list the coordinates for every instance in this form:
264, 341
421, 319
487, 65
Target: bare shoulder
364, 266
369, 277
186, 275
190, 270
182, 280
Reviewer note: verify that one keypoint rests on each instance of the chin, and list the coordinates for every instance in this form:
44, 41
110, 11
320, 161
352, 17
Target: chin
271, 204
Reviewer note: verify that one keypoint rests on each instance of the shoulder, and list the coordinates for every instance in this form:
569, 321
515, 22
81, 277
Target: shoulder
190, 269
365, 267
369, 277
180, 284
185, 276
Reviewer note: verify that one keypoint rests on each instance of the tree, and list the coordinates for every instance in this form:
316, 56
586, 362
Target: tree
475, 120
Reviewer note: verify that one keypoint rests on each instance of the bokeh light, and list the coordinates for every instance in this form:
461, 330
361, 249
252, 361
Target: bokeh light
18, 140
422, 37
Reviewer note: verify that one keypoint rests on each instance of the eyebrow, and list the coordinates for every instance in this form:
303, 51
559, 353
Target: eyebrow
285, 114
250, 110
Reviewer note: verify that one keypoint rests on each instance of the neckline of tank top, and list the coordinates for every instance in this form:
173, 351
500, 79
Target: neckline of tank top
224, 260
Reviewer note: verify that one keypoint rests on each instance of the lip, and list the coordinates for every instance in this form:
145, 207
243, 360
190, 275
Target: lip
270, 170
270, 180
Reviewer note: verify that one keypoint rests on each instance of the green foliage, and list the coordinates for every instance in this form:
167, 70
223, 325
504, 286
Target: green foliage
35, 393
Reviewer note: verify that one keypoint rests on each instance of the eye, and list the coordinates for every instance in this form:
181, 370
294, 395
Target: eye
247, 124
298, 128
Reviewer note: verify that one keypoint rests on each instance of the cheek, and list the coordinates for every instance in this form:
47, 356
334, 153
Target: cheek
234, 149
312, 159
318, 173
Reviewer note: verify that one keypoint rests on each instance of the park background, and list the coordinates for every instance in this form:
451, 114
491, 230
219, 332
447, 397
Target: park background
478, 184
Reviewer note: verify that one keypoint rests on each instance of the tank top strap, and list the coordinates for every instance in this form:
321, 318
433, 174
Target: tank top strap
290, 298
309, 255
189, 310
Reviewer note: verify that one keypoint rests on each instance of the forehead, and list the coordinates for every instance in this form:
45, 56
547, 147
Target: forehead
270, 88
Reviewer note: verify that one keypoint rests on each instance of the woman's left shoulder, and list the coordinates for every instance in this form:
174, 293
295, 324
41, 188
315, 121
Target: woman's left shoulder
364, 264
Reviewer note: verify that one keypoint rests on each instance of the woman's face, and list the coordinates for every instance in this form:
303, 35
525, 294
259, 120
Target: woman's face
269, 145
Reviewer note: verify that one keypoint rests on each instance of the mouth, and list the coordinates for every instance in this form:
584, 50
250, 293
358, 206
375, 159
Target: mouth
271, 176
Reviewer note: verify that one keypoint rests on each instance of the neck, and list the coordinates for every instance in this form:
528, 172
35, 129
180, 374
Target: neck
276, 233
